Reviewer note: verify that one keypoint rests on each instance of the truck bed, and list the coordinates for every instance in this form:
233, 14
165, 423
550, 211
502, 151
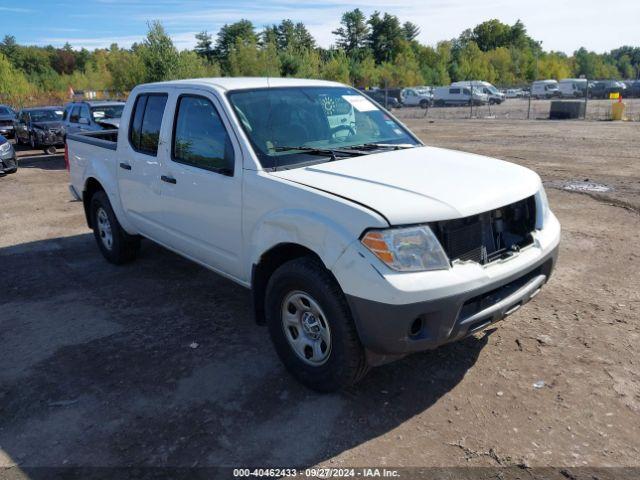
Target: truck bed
93, 155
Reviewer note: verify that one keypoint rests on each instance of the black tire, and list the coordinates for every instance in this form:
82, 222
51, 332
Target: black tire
32, 143
346, 363
123, 247
424, 104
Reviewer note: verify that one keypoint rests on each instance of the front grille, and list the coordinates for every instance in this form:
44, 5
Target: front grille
490, 235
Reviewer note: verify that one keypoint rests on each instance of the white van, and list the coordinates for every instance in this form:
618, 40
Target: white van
495, 95
545, 89
443, 96
573, 87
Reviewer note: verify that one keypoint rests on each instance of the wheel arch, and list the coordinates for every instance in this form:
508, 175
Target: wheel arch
268, 263
91, 186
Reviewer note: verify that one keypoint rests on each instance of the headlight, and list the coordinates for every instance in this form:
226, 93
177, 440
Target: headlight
543, 205
410, 249
5, 147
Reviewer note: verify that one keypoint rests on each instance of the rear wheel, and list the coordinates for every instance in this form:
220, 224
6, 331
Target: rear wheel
116, 245
311, 326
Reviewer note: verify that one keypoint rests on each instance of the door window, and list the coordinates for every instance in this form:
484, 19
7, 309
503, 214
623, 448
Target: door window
84, 112
144, 133
75, 115
200, 138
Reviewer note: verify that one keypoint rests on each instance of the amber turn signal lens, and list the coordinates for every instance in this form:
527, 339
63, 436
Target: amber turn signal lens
375, 242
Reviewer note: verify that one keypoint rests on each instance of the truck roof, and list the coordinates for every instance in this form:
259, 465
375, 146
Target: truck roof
240, 83
98, 103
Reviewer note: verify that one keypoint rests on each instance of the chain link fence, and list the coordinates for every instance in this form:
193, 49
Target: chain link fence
519, 109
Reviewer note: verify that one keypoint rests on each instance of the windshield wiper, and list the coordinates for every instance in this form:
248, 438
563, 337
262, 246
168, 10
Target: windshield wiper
373, 146
319, 151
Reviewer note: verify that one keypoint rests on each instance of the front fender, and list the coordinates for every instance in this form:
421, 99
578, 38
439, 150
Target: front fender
319, 233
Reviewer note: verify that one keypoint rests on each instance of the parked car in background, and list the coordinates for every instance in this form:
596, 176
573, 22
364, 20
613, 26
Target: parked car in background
7, 117
545, 89
358, 249
513, 93
91, 116
8, 159
448, 96
573, 87
494, 95
417, 97
386, 100
604, 88
40, 127
633, 89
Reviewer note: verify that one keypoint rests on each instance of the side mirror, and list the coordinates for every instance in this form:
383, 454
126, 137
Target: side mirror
83, 121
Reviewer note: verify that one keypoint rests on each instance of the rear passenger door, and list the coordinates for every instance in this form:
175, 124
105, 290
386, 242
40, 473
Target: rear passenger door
201, 183
139, 166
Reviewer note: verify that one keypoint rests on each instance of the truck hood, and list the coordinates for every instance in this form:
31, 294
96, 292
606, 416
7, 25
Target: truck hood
422, 184
54, 124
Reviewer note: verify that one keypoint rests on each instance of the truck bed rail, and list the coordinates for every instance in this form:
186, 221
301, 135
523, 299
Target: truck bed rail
104, 139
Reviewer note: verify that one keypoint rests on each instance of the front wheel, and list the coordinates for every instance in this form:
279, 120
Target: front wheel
311, 327
116, 245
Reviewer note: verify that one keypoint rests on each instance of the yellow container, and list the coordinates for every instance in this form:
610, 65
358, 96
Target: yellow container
617, 111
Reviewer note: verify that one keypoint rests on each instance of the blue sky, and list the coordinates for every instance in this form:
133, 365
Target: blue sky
561, 25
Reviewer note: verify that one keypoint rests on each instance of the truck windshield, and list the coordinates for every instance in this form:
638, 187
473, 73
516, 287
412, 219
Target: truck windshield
46, 115
106, 111
316, 118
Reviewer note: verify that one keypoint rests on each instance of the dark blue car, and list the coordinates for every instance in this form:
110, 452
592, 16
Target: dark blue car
8, 160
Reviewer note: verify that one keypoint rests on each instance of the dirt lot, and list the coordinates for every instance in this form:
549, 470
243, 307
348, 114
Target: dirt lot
97, 366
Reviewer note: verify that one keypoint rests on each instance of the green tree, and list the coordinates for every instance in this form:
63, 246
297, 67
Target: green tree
14, 86
204, 46
410, 31
249, 59
9, 48
127, 69
386, 36
364, 73
473, 64
353, 34
310, 65
229, 35
159, 55
336, 67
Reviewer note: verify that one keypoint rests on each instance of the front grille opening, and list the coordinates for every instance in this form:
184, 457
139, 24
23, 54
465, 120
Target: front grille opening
489, 236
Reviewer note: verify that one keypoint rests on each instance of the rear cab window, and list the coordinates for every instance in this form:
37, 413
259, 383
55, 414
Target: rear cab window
144, 131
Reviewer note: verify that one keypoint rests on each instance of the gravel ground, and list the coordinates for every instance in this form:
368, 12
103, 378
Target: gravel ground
159, 362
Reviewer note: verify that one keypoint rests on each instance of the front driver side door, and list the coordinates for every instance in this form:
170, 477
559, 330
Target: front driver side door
201, 184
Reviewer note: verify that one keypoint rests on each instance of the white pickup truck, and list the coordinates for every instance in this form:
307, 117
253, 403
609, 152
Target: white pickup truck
360, 244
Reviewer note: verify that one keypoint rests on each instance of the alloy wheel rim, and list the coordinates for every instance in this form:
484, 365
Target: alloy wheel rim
104, 228
306, 328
